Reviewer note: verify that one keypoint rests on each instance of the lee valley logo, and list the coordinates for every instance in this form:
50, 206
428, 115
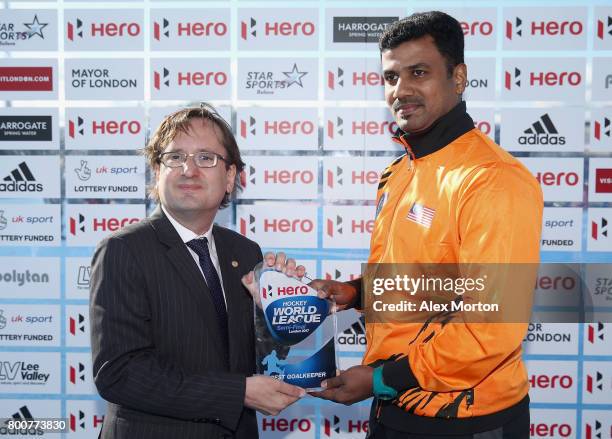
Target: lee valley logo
360, 29
22, 372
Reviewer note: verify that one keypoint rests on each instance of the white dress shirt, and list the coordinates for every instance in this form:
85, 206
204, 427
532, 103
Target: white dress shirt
187, 235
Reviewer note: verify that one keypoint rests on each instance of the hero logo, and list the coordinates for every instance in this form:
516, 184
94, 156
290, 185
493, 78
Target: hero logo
338, 274
543, 429
551, 382
484, 28
603, 181
277, 127
543, 28
483, 126
102, 30
104, 127
248, 29
77, 372
247, 225
558, 179
192, 29
594, 430
189, 79
282, 176
555, 283
335, 226
77, 421
357, 177
594, 382
355, 335
595, 332
336, 79
601, 128
283, 291
247, 176
542, 79
76, 324
332, 425
20, 179
599, 229
542, 132
77, 224
604, 28
281, 424
361, 127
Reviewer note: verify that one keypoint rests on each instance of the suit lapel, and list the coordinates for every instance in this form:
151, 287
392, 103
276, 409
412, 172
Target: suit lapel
179, 257
232, 286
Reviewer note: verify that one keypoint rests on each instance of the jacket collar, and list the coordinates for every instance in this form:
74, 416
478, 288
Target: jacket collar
445, 130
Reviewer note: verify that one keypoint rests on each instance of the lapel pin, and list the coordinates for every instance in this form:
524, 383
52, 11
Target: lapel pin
234, 264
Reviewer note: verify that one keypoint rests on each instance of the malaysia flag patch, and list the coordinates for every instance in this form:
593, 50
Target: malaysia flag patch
420, 214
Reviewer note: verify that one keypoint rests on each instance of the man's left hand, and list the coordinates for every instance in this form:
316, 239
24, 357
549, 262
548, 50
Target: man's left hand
351, 386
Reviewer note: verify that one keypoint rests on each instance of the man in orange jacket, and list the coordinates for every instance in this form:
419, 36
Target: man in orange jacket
455, 197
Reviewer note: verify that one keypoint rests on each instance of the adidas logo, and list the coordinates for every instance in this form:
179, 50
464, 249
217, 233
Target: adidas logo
355, 335
22, 415
20, 179
542, 132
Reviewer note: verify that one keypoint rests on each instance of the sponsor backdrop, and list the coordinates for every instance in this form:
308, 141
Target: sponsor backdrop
83, 84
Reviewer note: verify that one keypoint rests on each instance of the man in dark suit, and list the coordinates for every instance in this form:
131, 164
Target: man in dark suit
171, 322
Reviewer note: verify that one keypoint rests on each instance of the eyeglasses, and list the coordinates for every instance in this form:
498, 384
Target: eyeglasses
202, 159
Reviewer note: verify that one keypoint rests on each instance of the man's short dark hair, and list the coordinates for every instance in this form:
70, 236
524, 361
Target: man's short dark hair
178, 122
444, 29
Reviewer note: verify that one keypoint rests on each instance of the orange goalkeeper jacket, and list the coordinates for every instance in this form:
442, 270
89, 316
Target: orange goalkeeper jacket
454, 197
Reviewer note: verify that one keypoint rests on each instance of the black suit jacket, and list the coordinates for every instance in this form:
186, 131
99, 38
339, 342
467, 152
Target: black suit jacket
155, 341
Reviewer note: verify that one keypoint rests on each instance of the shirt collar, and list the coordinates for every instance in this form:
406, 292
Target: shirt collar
445, 130
186, 234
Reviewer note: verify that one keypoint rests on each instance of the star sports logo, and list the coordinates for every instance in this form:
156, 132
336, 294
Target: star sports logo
335, 78
247, 226
294, 76
512, 79
515, 28
161, 78
162, 29
35, 28
75, 29
335, 128
247, 127
247, 29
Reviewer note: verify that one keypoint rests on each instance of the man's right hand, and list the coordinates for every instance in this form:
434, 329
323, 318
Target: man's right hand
269, 396
343, 293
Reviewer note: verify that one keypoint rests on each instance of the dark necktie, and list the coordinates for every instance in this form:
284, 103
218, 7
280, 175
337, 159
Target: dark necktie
200, 246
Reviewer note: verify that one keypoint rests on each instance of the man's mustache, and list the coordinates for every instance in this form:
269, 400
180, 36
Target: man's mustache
397, 104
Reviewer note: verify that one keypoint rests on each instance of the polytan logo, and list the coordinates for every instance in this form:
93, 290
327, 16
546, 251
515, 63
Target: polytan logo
602, 79
277, 79
30, 277
181, 78
552, 381
88, 224
190, 29
104, 29
24, 30
365, 129
104, 79
277, 128
105, 128
281, 225
544, 79
29, 177
480, 84
278, 29
530, 129
561, 179
547, 423
562, 229
354, 79
352, 178
279, 178
532, 28
348, 226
